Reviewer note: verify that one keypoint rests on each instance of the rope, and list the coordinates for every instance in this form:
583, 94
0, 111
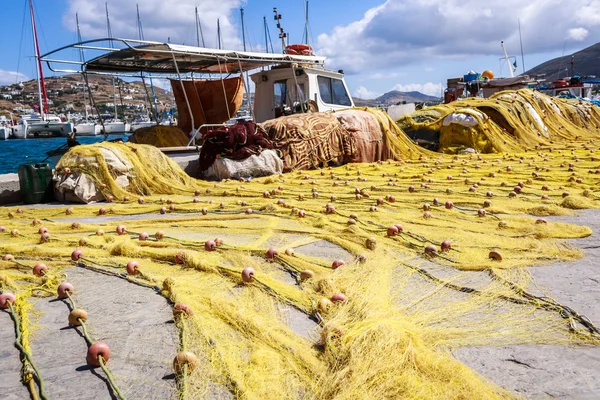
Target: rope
27, 356
91, 341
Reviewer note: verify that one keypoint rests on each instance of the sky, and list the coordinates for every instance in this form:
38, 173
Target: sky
381, 45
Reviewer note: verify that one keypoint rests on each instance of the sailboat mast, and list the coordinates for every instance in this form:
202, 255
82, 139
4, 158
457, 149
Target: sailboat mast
141, 36
266, 37
81, 59
521, 40
219, 33
199, 34
43, 97
111, 45
243, 31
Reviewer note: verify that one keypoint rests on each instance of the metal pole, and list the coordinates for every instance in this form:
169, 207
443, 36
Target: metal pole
37, 61
306, 22
521, 40
81, 59
266, 37
243, 31
219, 33
197, 31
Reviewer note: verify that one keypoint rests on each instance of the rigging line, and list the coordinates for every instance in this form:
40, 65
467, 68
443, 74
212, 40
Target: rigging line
21, 42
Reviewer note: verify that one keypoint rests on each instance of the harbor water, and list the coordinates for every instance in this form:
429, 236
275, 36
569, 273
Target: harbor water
15, 152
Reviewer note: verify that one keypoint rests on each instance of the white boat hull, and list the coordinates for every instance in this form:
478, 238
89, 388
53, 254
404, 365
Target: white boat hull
19, 132
4, 132
53, 128
114, 127
87, 129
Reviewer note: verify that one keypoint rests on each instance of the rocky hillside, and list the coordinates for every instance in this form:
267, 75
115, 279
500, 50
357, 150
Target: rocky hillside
66, 95
586, 62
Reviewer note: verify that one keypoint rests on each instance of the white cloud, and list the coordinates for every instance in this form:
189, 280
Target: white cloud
578, 34
365, 94
161, 20
432, 89
399, 32
11, 77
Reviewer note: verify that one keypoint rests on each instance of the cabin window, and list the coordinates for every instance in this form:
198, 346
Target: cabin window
280, 93
333, 91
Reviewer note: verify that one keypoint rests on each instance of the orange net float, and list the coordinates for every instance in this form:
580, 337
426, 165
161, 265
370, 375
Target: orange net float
64, 290
210, 245
182, 309
77, 316
183, 359
337, 263
5, 299
2, 229
248, 275
446, 245
96, 350
338, 298
121, 230
40, 269
132, 267
271, 254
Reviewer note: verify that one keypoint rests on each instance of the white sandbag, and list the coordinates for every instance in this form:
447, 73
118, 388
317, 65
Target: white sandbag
264, 164
76, 188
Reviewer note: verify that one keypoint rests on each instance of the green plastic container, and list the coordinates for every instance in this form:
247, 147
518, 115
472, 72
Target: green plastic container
35, 182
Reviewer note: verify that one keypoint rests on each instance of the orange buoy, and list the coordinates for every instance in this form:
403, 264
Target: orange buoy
96, 350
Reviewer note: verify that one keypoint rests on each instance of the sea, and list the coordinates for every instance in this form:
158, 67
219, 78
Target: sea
14, 152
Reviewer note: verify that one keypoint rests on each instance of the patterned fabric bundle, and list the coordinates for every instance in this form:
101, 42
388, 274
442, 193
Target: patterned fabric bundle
236, 142
366, 135
306, 141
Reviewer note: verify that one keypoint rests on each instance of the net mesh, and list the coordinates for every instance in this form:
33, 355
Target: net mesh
405, 310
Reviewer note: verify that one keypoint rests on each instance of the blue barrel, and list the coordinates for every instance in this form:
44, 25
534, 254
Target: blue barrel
35, 182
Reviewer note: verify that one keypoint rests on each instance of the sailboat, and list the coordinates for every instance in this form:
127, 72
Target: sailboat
85, 127
114, 125
44, 123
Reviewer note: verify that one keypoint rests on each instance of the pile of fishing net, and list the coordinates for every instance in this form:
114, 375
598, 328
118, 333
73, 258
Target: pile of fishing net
160, 136
111, 171
386, 317
508, 121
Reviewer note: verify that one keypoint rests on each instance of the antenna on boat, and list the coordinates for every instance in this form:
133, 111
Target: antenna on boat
521, 40
511, 67
218, 33
282, 33
267, 36
199, 33
43, 97
243, 31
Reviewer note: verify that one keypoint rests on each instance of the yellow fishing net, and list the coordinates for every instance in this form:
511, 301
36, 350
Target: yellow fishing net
160, 136
509, 121
404, 310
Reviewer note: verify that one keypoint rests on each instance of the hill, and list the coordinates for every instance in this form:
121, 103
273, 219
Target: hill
396, 97
586, 63
66, 93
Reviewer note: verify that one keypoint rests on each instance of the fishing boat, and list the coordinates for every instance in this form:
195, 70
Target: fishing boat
85, 128
286, 83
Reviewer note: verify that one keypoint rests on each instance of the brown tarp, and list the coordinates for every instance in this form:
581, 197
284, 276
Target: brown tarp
366, 135
305, 141
207, 101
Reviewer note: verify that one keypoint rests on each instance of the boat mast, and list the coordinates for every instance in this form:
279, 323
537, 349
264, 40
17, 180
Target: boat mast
43, 97
521, 40
81, 59
141, 37
507, 59
219, 33
199, 33
111, 45
306, 21
243, 31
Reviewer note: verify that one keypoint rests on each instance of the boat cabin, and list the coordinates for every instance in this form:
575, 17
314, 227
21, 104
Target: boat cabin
284, 90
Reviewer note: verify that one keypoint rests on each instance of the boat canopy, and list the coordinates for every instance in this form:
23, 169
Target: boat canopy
167, 58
